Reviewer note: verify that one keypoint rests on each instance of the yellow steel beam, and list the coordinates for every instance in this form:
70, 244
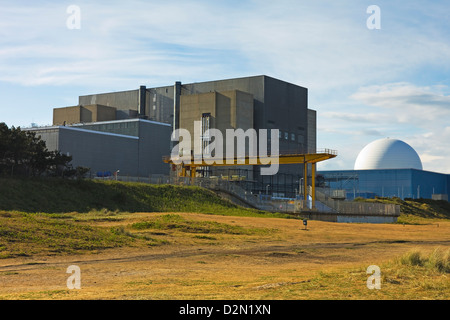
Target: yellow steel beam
280, 159
305, 182
191, 164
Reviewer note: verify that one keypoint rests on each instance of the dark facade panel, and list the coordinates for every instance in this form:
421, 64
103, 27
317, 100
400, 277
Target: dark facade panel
100, 152
154, 143
135, 147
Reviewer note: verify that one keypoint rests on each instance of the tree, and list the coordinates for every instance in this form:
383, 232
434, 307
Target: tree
23, 153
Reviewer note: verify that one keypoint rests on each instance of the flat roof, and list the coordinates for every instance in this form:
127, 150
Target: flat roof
121, 121
98, 132
377, 170
195, 82
81, 130
97, 123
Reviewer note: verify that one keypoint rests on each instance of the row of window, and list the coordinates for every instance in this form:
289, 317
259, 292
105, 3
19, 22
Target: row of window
289, 136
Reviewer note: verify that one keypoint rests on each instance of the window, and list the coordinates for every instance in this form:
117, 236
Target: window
286, 135
292, 136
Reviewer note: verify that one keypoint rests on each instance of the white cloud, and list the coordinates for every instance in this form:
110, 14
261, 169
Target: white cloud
357, 117
418, 115
322, 45
406, 103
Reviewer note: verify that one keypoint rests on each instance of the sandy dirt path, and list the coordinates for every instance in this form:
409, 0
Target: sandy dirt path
218, 266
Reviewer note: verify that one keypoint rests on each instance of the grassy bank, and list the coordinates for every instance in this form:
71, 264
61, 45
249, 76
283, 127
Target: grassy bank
26, 234
64, 196
416, 210
56, 216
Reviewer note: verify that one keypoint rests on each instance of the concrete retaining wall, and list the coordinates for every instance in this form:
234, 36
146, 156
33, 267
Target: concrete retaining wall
335, 217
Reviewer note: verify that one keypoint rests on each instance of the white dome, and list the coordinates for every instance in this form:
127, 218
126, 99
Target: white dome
388, 154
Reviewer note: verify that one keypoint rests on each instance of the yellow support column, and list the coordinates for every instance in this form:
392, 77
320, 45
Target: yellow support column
313, 184
305, 182
193, 173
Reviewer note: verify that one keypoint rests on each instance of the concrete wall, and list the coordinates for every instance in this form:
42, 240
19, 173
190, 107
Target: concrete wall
122, 100
161, 99
88, 113
160, 104
332, 217
229, 110
242, 113
193, 106
101, 112
66, 115
97, 112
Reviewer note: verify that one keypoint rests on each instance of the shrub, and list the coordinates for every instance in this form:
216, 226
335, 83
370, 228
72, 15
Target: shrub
437, 260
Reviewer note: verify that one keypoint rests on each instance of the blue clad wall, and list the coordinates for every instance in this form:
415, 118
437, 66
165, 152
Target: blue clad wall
402, 183
386, 183
425, 183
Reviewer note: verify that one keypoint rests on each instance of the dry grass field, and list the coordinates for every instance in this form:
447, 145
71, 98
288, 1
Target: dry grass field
203, 256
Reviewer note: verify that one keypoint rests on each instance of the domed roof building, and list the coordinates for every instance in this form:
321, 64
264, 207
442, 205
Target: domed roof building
388, 168
388, 154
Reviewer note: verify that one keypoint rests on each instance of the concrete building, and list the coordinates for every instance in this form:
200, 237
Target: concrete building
387, 168
83, 114
276, 105
133, 146
258, 102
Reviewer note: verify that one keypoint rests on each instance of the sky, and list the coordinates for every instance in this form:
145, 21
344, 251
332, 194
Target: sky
370, 74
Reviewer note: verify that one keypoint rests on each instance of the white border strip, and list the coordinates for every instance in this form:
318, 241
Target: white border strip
99, 132
120, 121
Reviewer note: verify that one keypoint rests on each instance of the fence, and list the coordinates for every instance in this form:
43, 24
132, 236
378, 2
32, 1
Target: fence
324, 202
233, 189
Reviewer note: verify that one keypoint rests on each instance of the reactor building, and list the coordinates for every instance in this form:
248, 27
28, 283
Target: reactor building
130, 131
386, 168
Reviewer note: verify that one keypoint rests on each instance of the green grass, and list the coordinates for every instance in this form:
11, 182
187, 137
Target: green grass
65, 196
58, 216
26, 234
179, 223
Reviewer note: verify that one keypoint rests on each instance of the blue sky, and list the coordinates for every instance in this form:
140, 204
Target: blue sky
365, 84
